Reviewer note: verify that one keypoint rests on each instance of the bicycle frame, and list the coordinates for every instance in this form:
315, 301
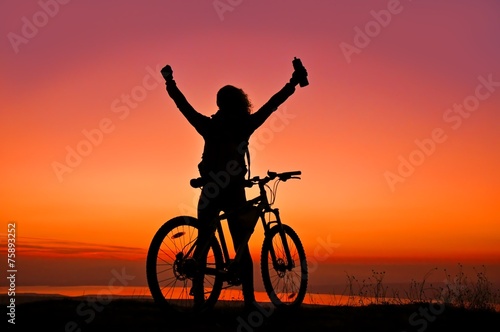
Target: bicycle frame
262, 203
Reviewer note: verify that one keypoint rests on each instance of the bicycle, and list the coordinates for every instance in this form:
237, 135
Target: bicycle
170, 264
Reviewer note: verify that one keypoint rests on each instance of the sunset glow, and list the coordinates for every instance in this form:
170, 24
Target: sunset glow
398, 141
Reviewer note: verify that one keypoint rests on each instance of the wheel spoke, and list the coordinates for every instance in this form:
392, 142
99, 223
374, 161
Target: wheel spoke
285, 286
168, 273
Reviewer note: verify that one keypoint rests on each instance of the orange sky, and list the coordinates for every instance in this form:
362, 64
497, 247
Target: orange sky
95, 65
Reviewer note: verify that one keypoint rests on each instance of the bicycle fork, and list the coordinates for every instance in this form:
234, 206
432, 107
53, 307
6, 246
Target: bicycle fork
276, 264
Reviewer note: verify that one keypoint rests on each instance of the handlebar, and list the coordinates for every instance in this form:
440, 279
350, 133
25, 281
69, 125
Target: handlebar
284, 176
273, 175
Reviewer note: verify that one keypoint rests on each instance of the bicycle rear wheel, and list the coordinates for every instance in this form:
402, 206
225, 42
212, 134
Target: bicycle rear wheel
286, 287
170, 268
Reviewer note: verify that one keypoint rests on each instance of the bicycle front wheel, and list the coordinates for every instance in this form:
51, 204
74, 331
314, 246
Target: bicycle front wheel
285, 281
170, 266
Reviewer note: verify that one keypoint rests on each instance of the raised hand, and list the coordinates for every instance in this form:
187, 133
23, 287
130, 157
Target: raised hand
299, 75
167, 73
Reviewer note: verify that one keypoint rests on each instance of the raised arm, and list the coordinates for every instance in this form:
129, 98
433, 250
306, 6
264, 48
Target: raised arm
299, 76
259, 117
197, 120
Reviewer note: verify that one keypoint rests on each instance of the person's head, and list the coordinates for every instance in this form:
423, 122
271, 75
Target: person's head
233, 99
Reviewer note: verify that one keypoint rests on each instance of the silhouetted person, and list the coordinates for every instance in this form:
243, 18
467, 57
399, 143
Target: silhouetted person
226, 135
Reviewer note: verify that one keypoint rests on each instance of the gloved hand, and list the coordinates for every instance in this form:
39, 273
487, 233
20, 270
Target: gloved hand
167, 73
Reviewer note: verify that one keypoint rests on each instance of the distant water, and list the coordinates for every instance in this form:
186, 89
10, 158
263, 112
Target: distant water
226, 295
144, 293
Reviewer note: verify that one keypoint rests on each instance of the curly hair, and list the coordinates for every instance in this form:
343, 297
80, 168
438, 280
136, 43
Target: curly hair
232, 98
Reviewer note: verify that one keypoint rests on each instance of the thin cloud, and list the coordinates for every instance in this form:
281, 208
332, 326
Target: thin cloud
31, 246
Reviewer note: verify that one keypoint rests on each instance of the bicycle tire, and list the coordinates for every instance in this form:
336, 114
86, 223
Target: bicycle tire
163, 272
286, 289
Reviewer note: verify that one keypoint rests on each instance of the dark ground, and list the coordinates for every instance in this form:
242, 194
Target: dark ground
80, 314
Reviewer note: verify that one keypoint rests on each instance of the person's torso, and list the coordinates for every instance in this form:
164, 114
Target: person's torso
226, 142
